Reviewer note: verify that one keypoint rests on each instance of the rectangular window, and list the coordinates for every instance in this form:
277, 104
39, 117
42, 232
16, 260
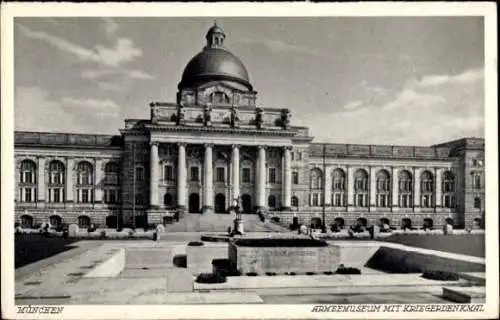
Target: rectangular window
112, 196
292, 155
426, 201
245, 175
57, 195
300, 156
220, 175
477, 181
315, 200
27, 195
272, 175
295, 177
195, 174
139, 174
338, 200
477, 203
168, 173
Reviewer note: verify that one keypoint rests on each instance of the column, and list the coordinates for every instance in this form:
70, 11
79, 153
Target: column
350, 186
41, 180
208, 180
327, 195
439, 192
181, 177
373, 187
287, 179
395, 187
153, 175
70, 163
261, 178
416, 187
235, 174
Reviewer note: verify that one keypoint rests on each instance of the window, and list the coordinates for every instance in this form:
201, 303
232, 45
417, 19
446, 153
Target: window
195, 174
405, 189
83, 221
139, 174
139, 200
272, 175
295, 177
168, 173
315, 199
245, 175
84, 173
28, 172
56, 173
361, 188
383, 188
56, 195
220, 175
295, 201
477, 180
112, 173
219, 97
338, 185
426, 189
316, 179
448, 201
448, 182
477, 203
111, 196
300, 156
271, 201
167, 200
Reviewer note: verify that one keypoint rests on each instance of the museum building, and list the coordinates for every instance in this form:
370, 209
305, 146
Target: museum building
215, 150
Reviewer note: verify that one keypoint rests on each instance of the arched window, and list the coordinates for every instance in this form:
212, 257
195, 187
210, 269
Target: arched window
338, 188
295, 201
56, 181
112, 183
84, 182
219, 97
316, 185
361, 188
84, 174
426, 189
112, 173
448, 189
271, 201
383, 189
28, 187
405, 189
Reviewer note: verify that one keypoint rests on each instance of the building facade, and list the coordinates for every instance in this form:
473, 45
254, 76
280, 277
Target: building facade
214, 150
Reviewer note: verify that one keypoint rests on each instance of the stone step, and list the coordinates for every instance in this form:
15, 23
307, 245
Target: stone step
465, 294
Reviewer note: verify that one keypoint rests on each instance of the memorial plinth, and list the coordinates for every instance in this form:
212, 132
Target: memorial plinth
283, 255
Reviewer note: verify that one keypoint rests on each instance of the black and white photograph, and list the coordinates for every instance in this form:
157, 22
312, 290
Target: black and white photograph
231, 162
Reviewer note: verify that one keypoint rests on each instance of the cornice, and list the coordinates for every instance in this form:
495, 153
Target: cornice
232, 131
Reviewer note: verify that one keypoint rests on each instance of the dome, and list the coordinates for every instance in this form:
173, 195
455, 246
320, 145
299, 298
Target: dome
215, 63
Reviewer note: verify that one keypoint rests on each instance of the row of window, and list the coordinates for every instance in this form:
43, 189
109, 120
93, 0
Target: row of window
382, 200
57, 195
57, 173
220, 174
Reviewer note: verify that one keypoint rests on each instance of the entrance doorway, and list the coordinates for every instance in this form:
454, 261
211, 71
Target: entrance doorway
194, 203
220, 203
246, 203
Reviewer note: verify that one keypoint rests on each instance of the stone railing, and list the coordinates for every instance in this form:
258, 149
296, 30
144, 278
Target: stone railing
220, 116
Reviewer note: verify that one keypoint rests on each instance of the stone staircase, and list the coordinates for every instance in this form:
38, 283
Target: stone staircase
216, 222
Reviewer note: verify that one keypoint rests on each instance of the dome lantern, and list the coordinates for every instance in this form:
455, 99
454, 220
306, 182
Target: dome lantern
215, 37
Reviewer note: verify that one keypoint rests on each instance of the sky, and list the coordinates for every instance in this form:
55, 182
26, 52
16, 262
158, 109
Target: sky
360, 80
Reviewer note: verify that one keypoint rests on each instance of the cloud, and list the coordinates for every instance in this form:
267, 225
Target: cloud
110, 86
93, 74
279, 46
35, 110
353, 105
427, 111
110, 26
123, 51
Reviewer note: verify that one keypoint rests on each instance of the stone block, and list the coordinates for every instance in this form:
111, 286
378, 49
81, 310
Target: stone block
179, 280
284, 259
73, 230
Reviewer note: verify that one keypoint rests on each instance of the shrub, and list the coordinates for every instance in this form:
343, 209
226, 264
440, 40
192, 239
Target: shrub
347, 270
251, 274
328, 273
309, 273
102, 234
211, 278
440, 275
280, 242
131, 233
270, 273
275, 219
261, 216
195, 244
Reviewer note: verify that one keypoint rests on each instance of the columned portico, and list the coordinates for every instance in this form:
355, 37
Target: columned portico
235, 174
287, 179
261, 178
181, 177
208, 197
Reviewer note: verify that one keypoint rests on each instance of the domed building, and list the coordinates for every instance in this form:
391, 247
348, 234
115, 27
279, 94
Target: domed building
214, 152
